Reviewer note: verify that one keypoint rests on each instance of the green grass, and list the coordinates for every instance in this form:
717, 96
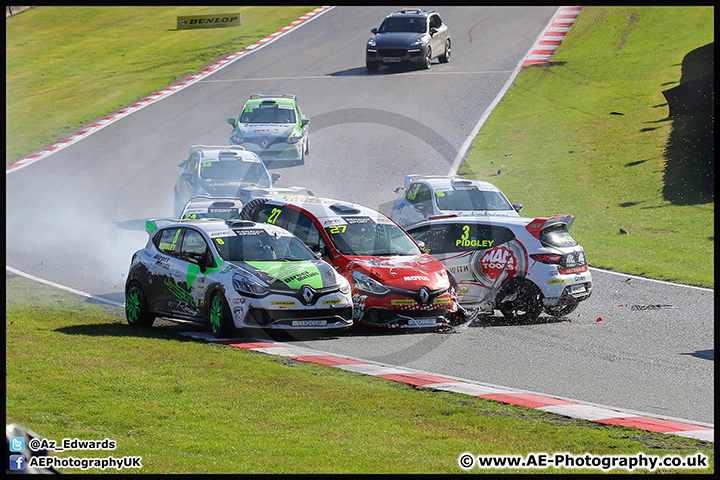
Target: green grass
76, 370
68, 66
573, 153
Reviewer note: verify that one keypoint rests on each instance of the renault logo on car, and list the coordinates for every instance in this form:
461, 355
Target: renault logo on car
424, 295
307, 294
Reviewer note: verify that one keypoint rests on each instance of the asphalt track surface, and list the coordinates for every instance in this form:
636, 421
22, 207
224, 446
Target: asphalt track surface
75, 217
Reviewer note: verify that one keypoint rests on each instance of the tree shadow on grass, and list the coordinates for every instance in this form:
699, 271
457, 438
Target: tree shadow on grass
690, 152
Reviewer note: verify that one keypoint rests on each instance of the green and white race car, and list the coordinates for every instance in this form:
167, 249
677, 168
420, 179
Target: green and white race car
234, 274
272, 127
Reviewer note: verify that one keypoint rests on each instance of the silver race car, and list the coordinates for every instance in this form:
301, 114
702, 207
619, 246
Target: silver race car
219, 172
426, 196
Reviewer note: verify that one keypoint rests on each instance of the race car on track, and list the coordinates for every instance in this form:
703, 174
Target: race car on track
409, 36
273, 127
219, 172
394, 283
234, 274
426, 196
517, 265
202, 206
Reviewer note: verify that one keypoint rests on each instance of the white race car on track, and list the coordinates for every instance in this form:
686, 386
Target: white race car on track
517, 265
426, 196
234, 274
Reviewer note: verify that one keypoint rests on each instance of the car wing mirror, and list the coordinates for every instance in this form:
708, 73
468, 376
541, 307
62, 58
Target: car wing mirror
433, 31
185, 175
232, 121
304, 121
276, 176
199, 259
373, 31
517, 207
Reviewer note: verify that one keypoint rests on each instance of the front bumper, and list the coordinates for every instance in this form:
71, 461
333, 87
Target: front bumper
291, 152
388, 56
332, 311
404, 319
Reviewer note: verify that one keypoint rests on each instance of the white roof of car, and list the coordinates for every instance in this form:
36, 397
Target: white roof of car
205, 201
447, 181
251, 192
330, 211
213, 225
213, 152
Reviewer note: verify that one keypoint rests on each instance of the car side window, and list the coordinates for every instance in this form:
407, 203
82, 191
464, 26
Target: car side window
435, 21
427, 237
192, 164
168, 241
458, 237
272, 214
193, 244
418, 193
305, 229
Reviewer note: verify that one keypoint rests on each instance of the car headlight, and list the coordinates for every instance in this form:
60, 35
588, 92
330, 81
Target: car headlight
344, 285
236, 138
247, 284
366, 284
371, 42
417, 43
294, 137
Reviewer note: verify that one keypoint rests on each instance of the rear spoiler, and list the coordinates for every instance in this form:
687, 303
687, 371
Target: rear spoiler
537, 226
254, 192
412, 178
286, 95
152, 224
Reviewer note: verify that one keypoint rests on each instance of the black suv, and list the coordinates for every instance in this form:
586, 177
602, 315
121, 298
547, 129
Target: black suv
412, 36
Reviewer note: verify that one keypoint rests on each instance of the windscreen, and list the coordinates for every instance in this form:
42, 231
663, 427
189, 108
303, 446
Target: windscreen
251, 245
233, 169
403, 24
268, 113
471, 198
365, 236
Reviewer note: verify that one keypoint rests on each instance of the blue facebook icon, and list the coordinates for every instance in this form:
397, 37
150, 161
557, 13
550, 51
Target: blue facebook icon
17, 462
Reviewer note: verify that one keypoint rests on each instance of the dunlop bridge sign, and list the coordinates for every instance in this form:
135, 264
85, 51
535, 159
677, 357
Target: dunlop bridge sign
188, 22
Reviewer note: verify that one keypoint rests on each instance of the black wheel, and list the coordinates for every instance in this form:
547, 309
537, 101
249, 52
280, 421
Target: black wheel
221, 322
519, 301
249, 211
445, 57
562, 310
428, 58
136, 310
